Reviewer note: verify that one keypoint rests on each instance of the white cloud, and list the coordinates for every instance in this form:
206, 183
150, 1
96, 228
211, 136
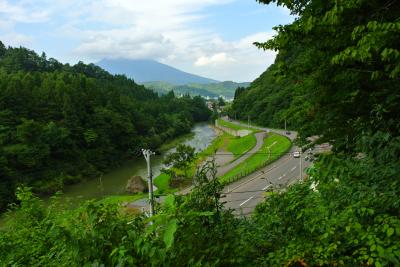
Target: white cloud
22, 12
168, 31
214, 60
249, 62
15, 39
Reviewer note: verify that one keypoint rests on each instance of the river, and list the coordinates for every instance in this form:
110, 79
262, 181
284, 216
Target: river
114, 182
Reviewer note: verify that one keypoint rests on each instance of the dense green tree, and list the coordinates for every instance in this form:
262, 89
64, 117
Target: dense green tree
181, 158
221, 102
59, 123
338, 69
341, 61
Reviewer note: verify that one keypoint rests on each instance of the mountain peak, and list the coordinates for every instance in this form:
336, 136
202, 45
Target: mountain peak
148, 70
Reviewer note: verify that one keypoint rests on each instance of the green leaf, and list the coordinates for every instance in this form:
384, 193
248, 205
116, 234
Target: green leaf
169, 233
381, 250
170, 201
389, 231
204, 213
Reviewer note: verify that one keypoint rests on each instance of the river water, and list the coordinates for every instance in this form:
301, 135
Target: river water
114, 182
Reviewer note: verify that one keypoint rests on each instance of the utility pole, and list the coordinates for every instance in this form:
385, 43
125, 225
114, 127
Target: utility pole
285, 125
147, 153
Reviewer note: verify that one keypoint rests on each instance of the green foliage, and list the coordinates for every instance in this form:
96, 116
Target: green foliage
335, 77
181, 158
338, 63
221, 102
59, 123
350, 221
162, 182
265, 102
97, 234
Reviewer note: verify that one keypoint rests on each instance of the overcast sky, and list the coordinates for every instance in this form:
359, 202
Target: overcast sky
212, 38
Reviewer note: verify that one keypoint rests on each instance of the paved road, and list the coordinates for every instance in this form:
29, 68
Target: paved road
243, 195
221, 170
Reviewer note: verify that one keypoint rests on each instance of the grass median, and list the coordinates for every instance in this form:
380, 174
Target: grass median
274, 147
240, 145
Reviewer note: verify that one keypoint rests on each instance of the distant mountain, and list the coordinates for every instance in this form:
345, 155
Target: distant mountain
226, 89
144, 70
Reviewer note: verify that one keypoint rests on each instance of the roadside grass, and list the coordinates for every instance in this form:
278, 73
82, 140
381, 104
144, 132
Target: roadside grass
234, 126
117, 199
256, 126
162, 182
215, 144
240, 145
274, 147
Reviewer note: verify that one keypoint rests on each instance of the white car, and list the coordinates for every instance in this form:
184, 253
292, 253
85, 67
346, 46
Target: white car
296, 154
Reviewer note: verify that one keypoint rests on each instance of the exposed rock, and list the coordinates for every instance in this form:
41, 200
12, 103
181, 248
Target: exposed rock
136, 184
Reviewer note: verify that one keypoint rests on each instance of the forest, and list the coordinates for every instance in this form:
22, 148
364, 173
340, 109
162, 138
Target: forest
336, 77
61, 123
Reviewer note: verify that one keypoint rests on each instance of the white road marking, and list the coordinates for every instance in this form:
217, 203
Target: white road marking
267, 187
293, 168
257, 176
244, 202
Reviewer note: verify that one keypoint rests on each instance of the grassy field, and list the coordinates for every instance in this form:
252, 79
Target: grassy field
274, 147
239, 145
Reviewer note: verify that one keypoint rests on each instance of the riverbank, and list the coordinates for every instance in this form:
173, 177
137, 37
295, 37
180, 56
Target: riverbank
171, 144
112, 186
225, 148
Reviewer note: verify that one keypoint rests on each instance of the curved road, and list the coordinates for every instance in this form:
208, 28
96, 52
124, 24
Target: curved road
224, 169
243, 195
